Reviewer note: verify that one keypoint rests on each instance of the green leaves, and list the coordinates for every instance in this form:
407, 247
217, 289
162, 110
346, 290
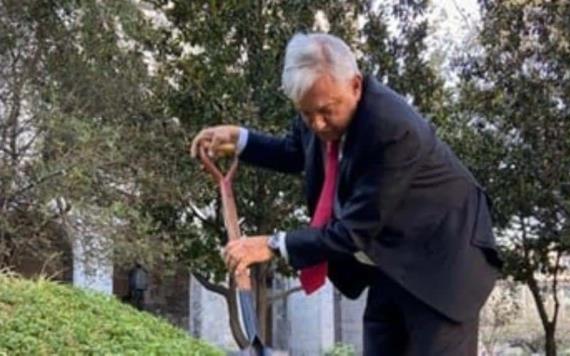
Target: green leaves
513, 88
82, 111
43, 318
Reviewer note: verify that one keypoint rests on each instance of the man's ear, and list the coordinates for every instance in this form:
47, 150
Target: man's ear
356, 85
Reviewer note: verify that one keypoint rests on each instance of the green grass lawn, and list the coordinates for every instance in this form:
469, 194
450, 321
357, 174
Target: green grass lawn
45, 318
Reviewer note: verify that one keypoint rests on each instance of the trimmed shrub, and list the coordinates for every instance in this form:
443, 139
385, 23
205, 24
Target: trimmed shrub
45, 318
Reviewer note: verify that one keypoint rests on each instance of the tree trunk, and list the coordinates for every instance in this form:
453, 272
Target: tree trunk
548, 326
550, 341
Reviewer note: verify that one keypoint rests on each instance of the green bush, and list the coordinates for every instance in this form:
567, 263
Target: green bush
45, 318
341, 350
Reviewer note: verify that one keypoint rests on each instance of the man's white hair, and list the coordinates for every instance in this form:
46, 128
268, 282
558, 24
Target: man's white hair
308, 56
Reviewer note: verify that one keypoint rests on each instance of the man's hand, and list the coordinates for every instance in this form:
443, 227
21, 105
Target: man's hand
214, 139
240, 254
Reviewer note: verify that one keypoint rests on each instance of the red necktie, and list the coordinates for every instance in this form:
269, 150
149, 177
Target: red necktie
312, 278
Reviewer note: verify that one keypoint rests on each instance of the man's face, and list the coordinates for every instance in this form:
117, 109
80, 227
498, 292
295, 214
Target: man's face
328, 106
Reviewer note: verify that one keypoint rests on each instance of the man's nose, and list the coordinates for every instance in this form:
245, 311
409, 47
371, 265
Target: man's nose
319, 123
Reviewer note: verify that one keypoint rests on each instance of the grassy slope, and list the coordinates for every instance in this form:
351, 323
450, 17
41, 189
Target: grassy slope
45, 318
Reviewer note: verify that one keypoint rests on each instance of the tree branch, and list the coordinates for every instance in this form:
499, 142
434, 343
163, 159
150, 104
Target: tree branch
29, 144
555, 286
283, 295
462, 14
531, 281
200, 215
212, 287
52, 175
39, 181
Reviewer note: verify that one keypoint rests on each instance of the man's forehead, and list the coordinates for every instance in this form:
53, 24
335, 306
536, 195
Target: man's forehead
314, 104
319, 97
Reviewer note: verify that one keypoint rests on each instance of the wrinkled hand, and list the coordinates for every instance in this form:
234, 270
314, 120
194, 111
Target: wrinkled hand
214, 139
242, 253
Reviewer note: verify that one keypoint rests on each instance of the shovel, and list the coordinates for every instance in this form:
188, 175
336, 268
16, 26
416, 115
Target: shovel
255, 346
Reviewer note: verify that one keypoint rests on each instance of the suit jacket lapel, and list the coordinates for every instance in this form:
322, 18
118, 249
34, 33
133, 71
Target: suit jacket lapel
351, 147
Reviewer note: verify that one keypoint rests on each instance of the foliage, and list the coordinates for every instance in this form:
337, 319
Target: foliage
515, 129
77, 109
341, 350
44, 318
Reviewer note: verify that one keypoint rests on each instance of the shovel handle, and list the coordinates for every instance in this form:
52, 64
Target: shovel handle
229, 209
243, 281
213, 169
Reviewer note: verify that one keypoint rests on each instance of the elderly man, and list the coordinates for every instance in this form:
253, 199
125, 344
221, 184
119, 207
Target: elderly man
392, 207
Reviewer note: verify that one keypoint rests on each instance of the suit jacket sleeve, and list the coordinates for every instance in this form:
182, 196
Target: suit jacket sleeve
282, 154
384, 175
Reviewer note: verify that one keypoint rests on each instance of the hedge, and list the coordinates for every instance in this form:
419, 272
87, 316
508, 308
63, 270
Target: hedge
46, 318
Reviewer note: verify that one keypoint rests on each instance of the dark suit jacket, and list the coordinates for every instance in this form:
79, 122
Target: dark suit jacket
403, 198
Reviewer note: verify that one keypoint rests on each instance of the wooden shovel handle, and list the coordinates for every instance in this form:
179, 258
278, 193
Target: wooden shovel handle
243, 282
213, 169
229, 209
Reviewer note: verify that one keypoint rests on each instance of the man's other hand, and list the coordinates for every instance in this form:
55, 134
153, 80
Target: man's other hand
215, 140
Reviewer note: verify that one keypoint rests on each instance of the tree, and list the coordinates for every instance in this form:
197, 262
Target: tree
516, 128
398, 59
75, 98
